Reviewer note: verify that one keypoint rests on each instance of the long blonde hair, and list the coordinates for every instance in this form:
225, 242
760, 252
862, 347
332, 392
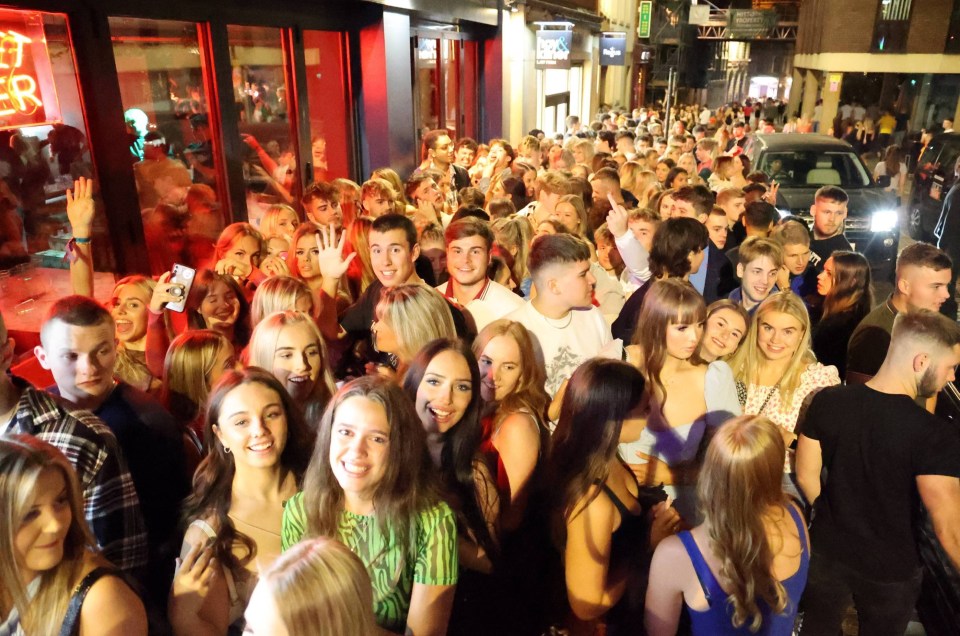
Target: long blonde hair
22, 460
321, 587
418, 314
748, 360
277, 293
270, 223
128, 368
515, 232
263, 347
187, 366
739, 482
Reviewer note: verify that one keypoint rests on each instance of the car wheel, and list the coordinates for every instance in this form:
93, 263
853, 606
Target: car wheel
915, 224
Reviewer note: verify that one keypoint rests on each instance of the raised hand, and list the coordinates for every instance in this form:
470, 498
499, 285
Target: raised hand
274, 266
80, 207
233, 267
165, 292
330, 259
770, 196
617, 219
191, 585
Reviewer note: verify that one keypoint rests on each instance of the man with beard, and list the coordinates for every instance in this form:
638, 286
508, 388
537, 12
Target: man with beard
882, 454
922, 282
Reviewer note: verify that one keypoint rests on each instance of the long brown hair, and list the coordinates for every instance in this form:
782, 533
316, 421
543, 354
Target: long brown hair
408, 485
213, 482
851, 289
529, 394
891, 159
671, 301
22, 459
739, 482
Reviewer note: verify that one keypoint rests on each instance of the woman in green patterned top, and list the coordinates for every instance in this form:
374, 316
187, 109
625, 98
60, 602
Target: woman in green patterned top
372, 486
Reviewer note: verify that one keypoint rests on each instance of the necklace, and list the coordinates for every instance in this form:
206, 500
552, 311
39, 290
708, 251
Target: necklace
247, 523
554, 323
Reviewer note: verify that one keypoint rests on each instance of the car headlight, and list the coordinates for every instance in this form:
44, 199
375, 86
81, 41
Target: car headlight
884, 221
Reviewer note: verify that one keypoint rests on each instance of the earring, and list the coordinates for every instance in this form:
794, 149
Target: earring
226, 450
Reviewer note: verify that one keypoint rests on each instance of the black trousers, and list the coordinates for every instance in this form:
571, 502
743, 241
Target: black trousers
883, 608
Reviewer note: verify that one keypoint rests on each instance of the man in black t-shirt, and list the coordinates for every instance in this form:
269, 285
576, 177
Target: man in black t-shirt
829, 212
882, 453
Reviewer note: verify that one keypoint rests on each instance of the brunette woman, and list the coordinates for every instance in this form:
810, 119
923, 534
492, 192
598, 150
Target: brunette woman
257, 452
743, 570
723, 331
848, 297
602, 520
371, 485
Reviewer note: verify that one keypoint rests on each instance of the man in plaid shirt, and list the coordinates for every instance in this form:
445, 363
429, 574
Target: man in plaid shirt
110, 500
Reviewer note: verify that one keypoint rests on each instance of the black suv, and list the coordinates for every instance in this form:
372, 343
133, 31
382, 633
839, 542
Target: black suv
931, 181
802, 163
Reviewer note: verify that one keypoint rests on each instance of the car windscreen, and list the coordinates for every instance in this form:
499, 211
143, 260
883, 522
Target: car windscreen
814, 168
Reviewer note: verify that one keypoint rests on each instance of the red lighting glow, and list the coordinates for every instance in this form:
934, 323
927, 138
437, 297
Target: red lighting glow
19, 90
28, 95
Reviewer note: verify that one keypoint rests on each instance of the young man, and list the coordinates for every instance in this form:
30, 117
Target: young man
829, 211
436, 153
758, 221
626, 144
111, 508
79, 348
393, 254
705, 151
605, 182
882, 454
798, 273
717, 226
565, 326
321, 204
528, 151
760, 260
734, 203
922, 282
465, 152
551, 185
469, 242
715, 278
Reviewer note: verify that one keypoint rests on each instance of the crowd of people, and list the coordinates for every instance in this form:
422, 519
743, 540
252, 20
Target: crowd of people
592, 384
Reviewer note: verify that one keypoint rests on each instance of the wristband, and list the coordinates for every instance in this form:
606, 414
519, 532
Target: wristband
81, 241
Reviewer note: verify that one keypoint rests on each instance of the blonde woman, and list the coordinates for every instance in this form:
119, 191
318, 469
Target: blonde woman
279, 293
129, 306
572, 214
303, 261
53, 578
195, 361
316, 587
279, 220
628, 176
646, 188
723, 331
289, 345
743, 570
515, 235
775, 368
407, 318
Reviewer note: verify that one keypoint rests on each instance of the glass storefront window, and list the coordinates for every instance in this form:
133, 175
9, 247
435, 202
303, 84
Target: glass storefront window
330, 130
260, 91
428, 86
451, 84
163, 89
44, 146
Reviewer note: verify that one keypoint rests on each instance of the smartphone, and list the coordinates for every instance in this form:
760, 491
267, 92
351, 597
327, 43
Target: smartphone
183, 276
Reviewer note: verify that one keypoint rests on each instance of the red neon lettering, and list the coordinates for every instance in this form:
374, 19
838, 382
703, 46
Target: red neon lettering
18, 92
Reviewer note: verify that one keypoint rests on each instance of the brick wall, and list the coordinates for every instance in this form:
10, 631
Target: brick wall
929, 21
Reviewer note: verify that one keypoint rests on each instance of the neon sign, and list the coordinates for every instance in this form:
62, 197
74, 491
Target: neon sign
28, 95
18, 91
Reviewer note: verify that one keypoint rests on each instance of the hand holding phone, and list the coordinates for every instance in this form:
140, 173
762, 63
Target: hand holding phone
181, 280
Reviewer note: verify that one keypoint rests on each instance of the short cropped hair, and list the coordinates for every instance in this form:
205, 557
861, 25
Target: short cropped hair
607, 174
725, 195
323, 190
756, 247
831, 193
554, 183
554, 249
923, 255
927, 325
466, 142
760, 215
389, 222
430, 141
672, 243
466, 227
645, 214
77, 311
501, 208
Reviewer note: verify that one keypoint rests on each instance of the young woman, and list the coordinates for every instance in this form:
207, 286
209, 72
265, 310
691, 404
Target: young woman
444, 383
723, 331
894, 167
279, 220
129, 307
390, 175
53, 578
239, 253
215, 302
289, 345
677, 178
608, 256
848, 297
664, 166
257, 451
742, 570
688, 399
514, 235
280, 293
727, 173
572, 215
407, 318
602, 516
775, 368
303, 260
194, 363
360, 273
372, 486
316, 587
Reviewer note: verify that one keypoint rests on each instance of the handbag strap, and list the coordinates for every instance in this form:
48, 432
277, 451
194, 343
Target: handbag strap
71, 622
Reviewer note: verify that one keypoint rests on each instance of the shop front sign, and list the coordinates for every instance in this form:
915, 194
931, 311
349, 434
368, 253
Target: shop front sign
27, 93
646, 15
553, 48
613, 48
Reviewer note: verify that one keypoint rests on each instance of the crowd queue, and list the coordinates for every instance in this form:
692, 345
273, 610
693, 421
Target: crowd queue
592, 384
